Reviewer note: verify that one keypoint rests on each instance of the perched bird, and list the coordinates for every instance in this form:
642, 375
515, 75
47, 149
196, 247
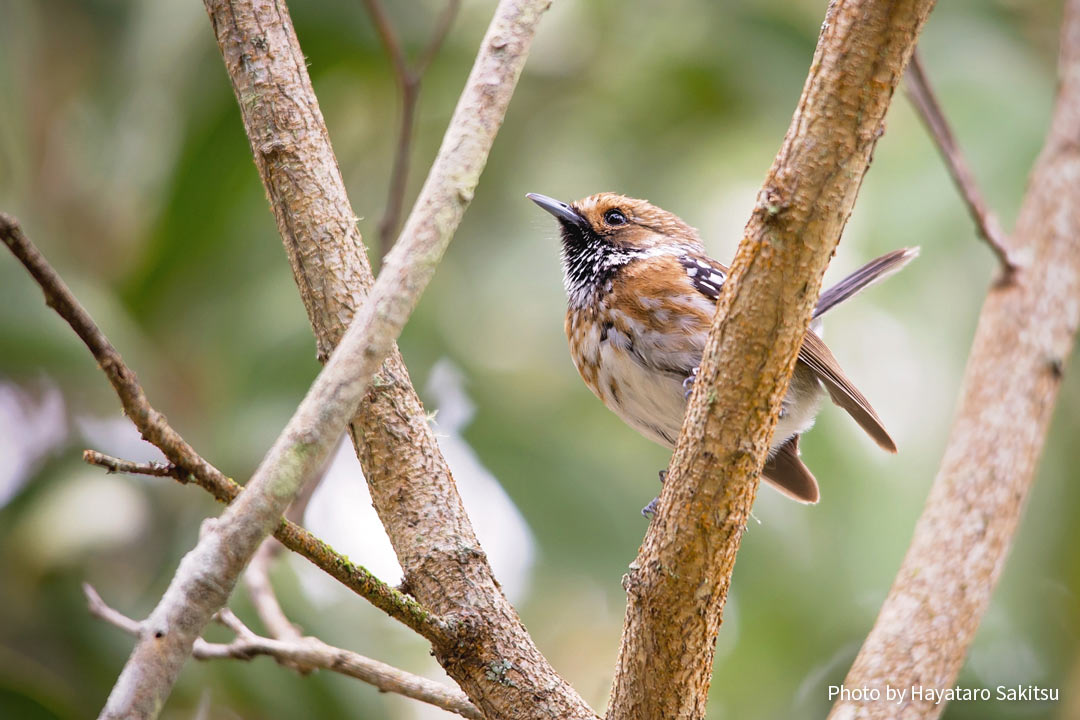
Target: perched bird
641, 297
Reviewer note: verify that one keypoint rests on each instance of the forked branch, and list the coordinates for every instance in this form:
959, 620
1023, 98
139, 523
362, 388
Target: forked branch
306, 652
186, 465
408, 78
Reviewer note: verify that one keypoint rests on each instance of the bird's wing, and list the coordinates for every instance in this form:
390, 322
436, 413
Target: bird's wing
816, 355
707, 276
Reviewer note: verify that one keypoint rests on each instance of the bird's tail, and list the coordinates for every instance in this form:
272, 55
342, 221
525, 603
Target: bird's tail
863, 278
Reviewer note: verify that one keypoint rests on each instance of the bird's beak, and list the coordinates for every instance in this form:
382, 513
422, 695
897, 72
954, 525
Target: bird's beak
561, 211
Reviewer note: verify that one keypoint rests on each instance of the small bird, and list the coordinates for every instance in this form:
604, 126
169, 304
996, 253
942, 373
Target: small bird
641, 297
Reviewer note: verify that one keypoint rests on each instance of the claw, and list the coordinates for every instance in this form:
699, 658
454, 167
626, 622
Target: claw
649, 510
688, 383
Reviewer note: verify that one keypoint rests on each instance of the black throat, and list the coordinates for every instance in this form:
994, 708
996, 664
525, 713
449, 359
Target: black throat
589, 263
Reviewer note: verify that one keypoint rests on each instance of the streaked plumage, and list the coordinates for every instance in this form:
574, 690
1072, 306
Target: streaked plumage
641, 295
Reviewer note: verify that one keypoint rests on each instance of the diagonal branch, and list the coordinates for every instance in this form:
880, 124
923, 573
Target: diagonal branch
925, 101
153, 426
1026, 332
186, 464
679, 582
412, 489
307, 652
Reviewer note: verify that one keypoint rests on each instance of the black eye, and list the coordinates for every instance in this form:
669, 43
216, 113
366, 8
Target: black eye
614, 217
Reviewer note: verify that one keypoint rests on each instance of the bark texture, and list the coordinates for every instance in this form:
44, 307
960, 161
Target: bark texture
493, 658
679, 582
1026, 331
207, 574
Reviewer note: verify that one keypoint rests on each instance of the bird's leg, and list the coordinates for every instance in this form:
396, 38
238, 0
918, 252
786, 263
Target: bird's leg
688, 383
650, 510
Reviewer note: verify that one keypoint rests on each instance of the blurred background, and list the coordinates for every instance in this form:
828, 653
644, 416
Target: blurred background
122, 153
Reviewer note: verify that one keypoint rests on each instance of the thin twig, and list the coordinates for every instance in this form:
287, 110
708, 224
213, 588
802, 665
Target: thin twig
188, 465
986, 223
257, 579
408, 80
301, 541
437, 38
117, 465
264, 599
228, 618
305, 652
388, 37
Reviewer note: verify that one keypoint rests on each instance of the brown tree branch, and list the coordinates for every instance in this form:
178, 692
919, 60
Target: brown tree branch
1026, 332
303, 652
412, 489
186, 464
925, 101
207, 574
679, 582
151, 424
408, 79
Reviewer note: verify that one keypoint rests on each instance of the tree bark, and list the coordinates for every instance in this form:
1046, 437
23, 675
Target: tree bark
679, 582
1026, 331
495, 661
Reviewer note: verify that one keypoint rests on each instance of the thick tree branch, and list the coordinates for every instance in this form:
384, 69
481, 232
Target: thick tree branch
303, 652
678, 585
185, 464
412, 489
1025, 335
925, 101
207, 574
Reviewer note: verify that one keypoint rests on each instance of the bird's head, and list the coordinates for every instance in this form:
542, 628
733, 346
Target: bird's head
606, 231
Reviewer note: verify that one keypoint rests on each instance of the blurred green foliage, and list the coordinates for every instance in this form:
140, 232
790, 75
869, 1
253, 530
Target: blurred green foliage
122, 152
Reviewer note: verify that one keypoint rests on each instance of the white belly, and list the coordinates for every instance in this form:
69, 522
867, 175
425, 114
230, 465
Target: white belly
650, 401
653, 401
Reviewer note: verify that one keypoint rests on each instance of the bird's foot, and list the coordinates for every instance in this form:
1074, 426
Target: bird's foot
649, 510
688, 383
